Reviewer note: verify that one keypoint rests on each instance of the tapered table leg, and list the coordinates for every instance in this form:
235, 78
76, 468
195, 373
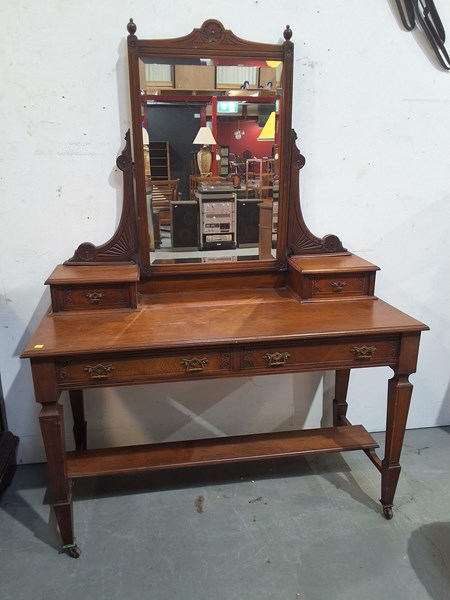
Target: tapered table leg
399, 397
52, 426
51, 420
398, 401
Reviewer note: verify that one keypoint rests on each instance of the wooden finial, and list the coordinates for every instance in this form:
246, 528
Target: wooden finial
131, 27
287, 33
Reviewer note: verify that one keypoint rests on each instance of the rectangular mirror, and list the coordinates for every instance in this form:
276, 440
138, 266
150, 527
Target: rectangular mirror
208, 148
203, 198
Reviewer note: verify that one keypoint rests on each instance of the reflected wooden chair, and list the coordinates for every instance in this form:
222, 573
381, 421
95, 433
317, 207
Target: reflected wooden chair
163, 192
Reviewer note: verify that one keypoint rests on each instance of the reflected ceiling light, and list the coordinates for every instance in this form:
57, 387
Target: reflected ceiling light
273, 63
204, 157
268, 131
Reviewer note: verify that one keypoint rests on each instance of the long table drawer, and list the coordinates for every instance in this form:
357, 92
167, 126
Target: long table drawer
104, 371
353, 352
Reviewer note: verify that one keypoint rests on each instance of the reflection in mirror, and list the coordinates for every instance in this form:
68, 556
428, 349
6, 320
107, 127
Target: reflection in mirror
210, 144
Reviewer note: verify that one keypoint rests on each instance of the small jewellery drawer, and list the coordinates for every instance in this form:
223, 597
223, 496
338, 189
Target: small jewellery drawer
93, 297
105, 371
338, 286
331, 277
322, 355
90, 287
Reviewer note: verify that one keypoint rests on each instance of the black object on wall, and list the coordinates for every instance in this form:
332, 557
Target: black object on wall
425, 13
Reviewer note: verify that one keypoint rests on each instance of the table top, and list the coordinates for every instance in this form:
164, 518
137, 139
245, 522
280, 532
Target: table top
170, 321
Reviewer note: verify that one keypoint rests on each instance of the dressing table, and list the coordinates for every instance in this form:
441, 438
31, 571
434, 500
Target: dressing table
124, 315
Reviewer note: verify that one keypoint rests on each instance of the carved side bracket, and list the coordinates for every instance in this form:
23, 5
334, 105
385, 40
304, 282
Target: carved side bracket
122, 247
300, 240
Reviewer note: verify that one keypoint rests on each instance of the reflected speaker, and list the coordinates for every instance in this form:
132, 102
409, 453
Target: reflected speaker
248, 222
185, 229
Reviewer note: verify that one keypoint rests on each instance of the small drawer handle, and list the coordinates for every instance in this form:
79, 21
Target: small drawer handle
99, 371
277, 359
193, 365
95, 297
338, 286
363, 352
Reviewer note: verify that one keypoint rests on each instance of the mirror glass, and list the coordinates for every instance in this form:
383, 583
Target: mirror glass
210, 144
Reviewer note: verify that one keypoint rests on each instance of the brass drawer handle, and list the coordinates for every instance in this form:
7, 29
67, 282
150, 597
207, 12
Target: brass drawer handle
277, 359
338, 286
95, 297
99, 371
193, 365
363, 352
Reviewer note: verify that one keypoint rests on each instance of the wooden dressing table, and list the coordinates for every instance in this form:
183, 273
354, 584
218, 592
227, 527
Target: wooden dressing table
118, 318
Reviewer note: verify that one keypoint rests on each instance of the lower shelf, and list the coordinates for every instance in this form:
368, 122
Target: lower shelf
150, 457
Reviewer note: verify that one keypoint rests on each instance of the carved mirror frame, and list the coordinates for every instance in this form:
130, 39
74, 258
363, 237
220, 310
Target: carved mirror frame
212, 40
131, 241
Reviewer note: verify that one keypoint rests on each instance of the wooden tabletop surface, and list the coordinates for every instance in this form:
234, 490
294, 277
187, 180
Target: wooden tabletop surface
183, 320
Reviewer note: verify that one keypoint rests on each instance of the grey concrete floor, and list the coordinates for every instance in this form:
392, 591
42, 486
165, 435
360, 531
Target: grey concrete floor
308, 529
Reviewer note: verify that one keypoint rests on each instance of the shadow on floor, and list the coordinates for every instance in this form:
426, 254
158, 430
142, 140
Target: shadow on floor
34, 479
429, 555
13, 501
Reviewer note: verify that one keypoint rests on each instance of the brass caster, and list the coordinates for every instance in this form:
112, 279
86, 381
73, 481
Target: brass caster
72, 550
387, 511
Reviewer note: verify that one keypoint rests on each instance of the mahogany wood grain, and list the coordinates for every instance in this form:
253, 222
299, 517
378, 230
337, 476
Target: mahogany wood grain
188, 322
229, 334
331, 277
261, 315
98, 274
194, 453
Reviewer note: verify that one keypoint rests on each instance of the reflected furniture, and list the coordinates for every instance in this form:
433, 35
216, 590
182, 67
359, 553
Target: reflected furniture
8, 447
159, 160
117, 319
162, 193
217, 211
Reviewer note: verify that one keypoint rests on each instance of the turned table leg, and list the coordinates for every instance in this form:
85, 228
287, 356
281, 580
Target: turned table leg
340, 398
79, 422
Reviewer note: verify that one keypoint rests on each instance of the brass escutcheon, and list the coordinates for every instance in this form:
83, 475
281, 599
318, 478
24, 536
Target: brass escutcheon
363, 352
277, 359
192, 365
338, 286
99, 371
95, 297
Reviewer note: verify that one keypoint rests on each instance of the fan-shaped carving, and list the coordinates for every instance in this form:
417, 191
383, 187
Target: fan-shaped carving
300, 239
122, 247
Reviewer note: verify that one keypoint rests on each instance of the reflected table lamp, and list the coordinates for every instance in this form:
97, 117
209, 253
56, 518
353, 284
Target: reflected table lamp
268, 131
204, 156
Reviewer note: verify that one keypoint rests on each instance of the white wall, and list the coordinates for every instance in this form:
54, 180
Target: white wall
372, 113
